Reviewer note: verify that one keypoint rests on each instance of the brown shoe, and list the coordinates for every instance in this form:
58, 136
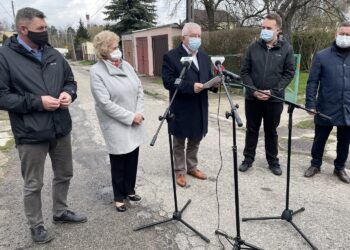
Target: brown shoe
311, 171
342, 175
198, 174
181, 180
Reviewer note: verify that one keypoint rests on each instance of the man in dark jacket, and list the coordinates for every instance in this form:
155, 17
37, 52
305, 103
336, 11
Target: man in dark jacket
269, 67
190, 106
329, 80
36, 88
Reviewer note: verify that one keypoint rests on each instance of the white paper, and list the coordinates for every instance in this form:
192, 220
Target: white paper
211, 82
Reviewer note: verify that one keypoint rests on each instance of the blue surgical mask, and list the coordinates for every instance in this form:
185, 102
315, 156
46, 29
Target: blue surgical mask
266, 35
343, 41
194, 43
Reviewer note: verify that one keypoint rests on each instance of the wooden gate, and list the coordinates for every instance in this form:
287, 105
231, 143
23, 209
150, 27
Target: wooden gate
159, 48
128, 55
142, 55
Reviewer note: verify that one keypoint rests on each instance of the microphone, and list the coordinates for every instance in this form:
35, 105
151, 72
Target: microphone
231, 75
218, 61
186, 62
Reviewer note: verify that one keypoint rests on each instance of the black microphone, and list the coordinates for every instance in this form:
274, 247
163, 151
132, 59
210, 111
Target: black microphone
186, 62
231, 75
218, 66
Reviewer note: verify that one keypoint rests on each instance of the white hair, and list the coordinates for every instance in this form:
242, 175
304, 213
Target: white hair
189, 26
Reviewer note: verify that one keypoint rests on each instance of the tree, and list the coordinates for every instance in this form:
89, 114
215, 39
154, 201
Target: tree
131, 15
82, 35
252, 11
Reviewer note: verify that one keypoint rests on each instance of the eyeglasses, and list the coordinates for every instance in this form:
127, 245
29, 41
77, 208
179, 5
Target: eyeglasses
193, 35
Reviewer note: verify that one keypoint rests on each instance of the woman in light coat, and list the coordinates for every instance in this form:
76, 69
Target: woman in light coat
118, 95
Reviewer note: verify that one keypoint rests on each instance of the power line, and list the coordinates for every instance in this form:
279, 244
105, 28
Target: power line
103, 5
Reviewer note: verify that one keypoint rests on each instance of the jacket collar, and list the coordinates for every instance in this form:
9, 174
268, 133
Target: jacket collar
113, 70
279, 43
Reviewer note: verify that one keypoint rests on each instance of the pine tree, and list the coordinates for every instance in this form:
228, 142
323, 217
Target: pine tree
82, 35
131, 15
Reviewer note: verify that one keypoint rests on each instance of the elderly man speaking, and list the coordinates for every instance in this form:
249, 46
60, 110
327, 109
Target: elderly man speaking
190, 106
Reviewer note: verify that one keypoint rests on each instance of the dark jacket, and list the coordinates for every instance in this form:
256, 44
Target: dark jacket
190, 108
329, 80
23, 80
268, 69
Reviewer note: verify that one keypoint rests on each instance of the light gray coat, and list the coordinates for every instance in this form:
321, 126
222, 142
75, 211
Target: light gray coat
118, 95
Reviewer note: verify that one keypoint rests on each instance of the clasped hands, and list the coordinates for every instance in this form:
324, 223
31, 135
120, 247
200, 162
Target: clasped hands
51, 104
261, 96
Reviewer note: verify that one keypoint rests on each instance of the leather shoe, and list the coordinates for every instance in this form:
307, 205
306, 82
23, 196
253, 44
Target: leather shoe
181, 180
311, 171
40, 235
198, 174
134, 197
70, 217
245, 166
342, 175
121, 208
275, 169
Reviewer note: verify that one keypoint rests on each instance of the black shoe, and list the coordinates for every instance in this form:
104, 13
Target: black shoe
70, 217
275, 169
245, 166
121, 208
311, 171
342, 175
134, 197
40, 235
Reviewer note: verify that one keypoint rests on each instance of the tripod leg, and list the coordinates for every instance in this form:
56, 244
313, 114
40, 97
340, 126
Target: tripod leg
303, 235
194, 230
298, 211
152, 224
262, 218
188, 202
250, 246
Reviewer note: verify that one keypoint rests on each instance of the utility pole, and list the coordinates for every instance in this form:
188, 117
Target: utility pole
74, 56
13, 10
189, 11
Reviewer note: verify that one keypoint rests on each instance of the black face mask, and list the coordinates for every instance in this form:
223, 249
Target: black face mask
39, 38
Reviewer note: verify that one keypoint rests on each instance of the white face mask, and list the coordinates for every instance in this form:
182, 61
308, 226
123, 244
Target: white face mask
342, 41
116, 55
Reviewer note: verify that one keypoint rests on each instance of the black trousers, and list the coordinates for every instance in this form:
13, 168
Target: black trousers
321, 136
270, 113
124, 170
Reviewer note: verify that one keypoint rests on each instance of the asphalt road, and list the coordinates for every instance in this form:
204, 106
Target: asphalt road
326, 220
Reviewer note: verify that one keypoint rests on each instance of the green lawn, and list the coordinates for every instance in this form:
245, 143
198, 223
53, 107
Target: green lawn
302, 86
85, 62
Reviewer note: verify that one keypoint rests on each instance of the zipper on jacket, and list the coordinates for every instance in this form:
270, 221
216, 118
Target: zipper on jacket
267, 59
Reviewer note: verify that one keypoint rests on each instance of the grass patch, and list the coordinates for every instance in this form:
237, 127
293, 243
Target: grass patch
9, 145
302, 86
306, 124
150, 93
157, 80
86, 62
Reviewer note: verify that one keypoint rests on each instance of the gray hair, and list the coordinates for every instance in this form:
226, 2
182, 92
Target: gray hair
188, 26
26, 15
344, 24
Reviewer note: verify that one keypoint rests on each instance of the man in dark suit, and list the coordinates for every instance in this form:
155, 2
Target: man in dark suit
190, 106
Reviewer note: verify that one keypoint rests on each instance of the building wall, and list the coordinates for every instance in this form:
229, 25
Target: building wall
170, 31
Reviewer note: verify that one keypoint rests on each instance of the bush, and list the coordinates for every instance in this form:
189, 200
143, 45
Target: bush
308, 43
230, 43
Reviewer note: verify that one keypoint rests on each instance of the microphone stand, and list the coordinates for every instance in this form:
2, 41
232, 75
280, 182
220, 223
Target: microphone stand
238, 241
168, 116
287, 214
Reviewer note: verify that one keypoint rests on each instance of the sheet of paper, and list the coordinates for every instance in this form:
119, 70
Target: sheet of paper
211, 82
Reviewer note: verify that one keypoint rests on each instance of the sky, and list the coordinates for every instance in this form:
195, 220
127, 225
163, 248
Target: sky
65, 13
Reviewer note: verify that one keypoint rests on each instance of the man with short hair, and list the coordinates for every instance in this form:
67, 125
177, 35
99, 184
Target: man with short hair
268, 66
328, 92
190, 106
36, 88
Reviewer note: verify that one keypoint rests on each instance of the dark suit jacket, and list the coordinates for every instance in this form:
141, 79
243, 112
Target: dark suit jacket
190, 108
